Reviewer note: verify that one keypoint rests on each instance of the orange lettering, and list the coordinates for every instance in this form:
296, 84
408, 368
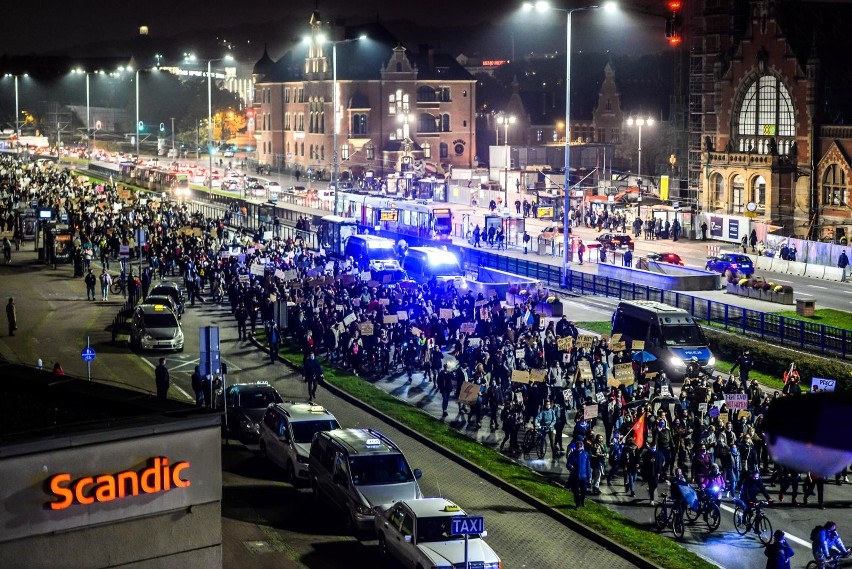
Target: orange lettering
105, 492
167, 480
176, 479
59, 491
78, 490
123, 479
149, 486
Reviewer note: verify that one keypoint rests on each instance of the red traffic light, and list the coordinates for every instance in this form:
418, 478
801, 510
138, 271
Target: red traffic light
675, 5
675, 40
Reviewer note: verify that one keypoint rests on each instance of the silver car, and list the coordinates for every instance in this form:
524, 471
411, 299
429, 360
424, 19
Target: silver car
155, 327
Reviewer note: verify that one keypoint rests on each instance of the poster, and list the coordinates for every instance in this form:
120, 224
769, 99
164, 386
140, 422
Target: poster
348, 319
520, 376
585, 341
519, 353
279, 274
618, 346
665, 392
584, 371
637, 345
469, 393
742, 413
623, 374
257, 269
346, 280
373, 284
723, 418
565, 344
338, 308
416, 331
366, 328
822, 384
291, 275
615, 338
590, 412
568, 395
600, 397
702, 407
366, 276
391, 319
734, 229
402, 315
736, 400
536, 376
715, 226
468, 328
384, 301
446, 313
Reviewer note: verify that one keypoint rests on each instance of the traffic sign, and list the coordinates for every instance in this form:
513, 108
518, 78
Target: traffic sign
98, 125
141, 125
162, 127
467, 525
88, 354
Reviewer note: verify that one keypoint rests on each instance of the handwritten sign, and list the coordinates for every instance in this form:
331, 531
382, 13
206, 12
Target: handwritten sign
520, 376
585, 341
736, 400
623, 374
402, 315
536, 376
469, 393
446, 313
373, 284
565, 344
416, 331
348, 319
822, 384
664, 391
481, 303
723, 418
584, 371
617, 346
291, 275
600, 397
743, 413
468, 328
637, 345
279, 274
384, 301
615, 338
590, 412
366, 328
391, 319
366, 276
257, 270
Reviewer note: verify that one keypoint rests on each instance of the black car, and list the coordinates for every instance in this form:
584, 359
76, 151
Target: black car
172, 290
615, 241
246, 404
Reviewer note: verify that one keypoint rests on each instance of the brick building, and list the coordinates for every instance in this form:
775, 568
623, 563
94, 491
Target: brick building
397, 110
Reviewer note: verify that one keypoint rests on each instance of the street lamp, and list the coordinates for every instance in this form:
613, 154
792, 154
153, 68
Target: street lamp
542, 6
17, 110
639, 123
80, 71
505, 121
334, 104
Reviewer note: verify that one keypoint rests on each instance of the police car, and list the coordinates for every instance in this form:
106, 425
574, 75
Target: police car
417, 533
286, 434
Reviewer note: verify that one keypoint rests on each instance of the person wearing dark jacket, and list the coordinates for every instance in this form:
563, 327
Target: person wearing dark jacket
313, 373
779, 552
579, 473
161, 378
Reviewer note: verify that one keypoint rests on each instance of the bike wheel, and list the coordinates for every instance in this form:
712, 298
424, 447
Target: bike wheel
763, 529
661, 516
529, 441
115, 288
714, 517
739, 520
542, 446
677, 524
692, 515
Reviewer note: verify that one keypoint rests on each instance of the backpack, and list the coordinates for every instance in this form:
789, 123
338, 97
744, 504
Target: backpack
815, 533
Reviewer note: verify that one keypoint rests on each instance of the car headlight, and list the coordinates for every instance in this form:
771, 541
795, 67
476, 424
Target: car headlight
302, 459
149, 337
711, 361
363, 510
676, 361
248, 426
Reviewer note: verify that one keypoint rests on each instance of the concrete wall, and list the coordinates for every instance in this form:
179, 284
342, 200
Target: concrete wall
499, 281
663, 276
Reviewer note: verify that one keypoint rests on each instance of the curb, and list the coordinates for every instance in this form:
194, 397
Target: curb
555, 514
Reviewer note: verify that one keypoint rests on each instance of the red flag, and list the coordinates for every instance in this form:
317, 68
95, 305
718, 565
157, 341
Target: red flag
638, 429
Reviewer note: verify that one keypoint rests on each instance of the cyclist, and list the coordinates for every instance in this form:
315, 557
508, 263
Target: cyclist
826, 543
544, 421
751, 488
778, 552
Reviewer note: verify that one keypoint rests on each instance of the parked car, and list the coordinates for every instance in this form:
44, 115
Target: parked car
172, 290
730, 264
165, 300
671, 258
615, 240
247, 404
553, 232
287, 432
155, 327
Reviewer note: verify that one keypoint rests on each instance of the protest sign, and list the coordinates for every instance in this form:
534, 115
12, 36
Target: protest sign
402, 315
585, 341
600, 397
446, 313
347, 280
224, 254
348, 319
468, 393
373, 284
584, 371
666, 392
637, 345
391, 318
723, 418
416, 331
736, 400
492, 293
366, 276
468, 328
566, 358
590, 412
623, 373
338, 308
384, 301
366, 328
713, 412
568, 395
536, 376
617, 346
519, 353
474, 342
822, 384
702, 407
291, 275
257, 269
279, 274
615, 338
565, 344
742, 413
480, 303
520, 376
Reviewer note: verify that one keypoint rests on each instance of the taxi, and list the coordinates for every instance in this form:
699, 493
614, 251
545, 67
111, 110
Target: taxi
417, 533
286, 434
155, 327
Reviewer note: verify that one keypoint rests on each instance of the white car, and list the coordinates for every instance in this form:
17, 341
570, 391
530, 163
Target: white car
417, 534
286, 434
274, 189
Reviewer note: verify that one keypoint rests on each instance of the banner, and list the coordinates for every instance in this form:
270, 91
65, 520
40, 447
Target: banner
736, 400
468, 328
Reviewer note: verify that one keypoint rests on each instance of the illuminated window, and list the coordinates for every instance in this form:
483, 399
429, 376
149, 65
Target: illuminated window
737, 194
766, 114
344, 152
427, 150
834, 186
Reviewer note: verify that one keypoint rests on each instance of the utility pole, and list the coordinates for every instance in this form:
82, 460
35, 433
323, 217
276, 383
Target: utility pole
173, 134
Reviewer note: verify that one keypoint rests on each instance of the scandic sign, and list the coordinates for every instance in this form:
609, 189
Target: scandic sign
160, 476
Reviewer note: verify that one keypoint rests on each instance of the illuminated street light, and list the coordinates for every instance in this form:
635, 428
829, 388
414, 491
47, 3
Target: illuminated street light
505, 121
639, 123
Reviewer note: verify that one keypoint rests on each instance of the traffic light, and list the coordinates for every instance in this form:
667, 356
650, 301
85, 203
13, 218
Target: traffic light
674, 23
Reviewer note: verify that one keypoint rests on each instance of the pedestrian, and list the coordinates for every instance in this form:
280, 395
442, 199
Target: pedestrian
704, 231
313, 374
161, 378
57, 369
241, 315
745, 362
842, 263
274, 343
579, 473
90, 280
7, 251
752, 240
744, 244
12, 316
581, 250
628, 258
198, 386
652, 466
779, 552
527, 242
106, 280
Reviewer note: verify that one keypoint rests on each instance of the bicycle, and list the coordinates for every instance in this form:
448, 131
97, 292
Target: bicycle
755, 520
835, 561
535, 438
119, 284
708, 508
669, 513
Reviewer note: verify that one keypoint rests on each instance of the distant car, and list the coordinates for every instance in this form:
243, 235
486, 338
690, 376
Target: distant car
231, 185
165, 300
671, 258
257, 191
228, 154
274, 189
730, 263
286, 434
615, 241
552, 232
418, 533
172, 290
247, 404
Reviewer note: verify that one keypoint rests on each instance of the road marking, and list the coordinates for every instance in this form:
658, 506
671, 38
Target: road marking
789, 536
782, 281
817, 286
848, 291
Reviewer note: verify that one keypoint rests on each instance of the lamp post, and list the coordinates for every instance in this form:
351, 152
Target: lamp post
17, 110
543, 6
137, 117
639, 123
506, 121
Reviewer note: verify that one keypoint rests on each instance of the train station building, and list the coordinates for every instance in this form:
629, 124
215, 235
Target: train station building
95, 475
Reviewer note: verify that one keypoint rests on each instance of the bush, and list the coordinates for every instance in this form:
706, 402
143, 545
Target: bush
766, 286
774, 360
757, 285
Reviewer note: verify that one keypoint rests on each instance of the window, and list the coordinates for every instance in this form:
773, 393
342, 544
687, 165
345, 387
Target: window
834, 186
427, 150
737, 194
301, 124
608, 105
322, 121
286, 121
311, 152
766, 117
407, 525
445, 150
287, 95
302, 150
322, 152
370, 150
758, 190
344, 152
359, 124
445, 122
719, 186
426, 123
426, 94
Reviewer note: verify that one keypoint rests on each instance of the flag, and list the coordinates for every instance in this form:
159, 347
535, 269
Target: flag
638, 429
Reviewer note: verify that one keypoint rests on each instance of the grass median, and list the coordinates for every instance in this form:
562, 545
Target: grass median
654, 547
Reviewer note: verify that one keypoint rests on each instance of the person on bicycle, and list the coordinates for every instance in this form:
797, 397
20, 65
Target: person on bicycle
715, 480
826, 544
779, 552
545, 421
681, 493
751, 488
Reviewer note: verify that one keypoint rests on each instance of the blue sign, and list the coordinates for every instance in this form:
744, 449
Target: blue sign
467, 525
734, 229
88, 354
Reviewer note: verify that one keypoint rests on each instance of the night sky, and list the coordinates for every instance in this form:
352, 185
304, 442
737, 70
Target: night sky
55, 28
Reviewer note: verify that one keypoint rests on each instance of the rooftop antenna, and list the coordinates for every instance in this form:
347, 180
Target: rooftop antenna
439, 489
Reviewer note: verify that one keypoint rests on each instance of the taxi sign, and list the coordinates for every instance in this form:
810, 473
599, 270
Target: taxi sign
159, 307
317, 409
373, 442
451, 508
467, 525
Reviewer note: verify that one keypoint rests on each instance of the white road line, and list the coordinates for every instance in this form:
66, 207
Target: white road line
817, 286
789, 536
847, 291
782, 281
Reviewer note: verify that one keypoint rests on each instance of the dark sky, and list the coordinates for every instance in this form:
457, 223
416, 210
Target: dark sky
56, 27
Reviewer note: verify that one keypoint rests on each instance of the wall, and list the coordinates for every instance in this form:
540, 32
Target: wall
674, 278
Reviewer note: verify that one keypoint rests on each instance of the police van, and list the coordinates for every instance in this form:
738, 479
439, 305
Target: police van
669, 333
374, 254
358, 470
422, 264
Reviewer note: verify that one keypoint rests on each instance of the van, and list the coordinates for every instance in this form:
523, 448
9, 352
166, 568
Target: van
358, 470
422, 264
670, 334
374, 254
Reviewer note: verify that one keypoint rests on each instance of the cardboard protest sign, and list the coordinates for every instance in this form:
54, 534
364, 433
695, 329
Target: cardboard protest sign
279, 274
822, 384
665, 392
723, 418
736, 400
446, 313
617, 346
615, 338
474, 342
391, 318
402, 315
480, 303
584, 371
623, 374
519, 353
590, 412
566, 358
416, 331
637, 345
291, 274
366, 276
612, 382
565, 344
585, 341
348, 319
520, 376
384, 301
536, 376
366, 328
338, 308
468, 393
702, 407
468, 328
742, 413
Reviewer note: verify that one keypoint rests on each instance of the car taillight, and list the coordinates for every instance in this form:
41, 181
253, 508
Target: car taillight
733, 265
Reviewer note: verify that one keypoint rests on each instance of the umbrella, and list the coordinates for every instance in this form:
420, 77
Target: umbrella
643, 357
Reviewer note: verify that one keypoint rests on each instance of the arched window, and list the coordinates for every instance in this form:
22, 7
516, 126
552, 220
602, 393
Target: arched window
766, 113
445, 122
427, 123
426, 94
758, 190
737, 194
719, 189
834, 186
322, 121
359, 124
445, 150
